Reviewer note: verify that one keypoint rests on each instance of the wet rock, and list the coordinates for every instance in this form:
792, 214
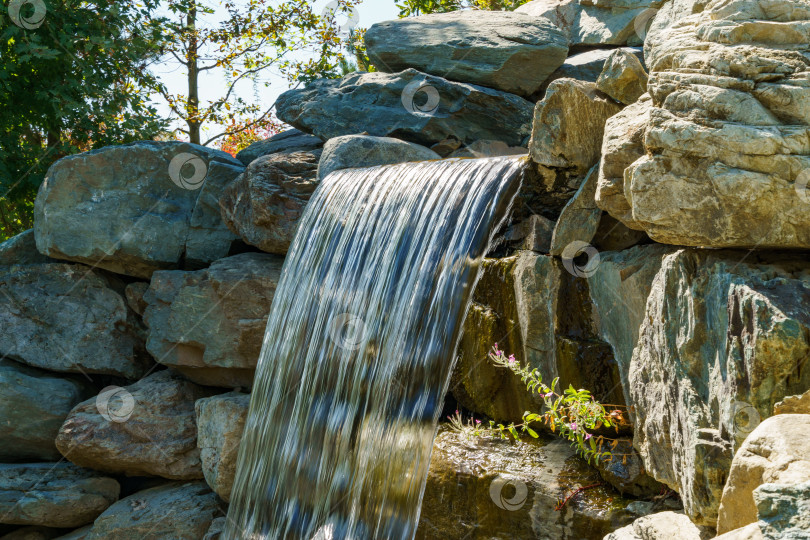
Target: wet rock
289, 141
661, 526
724, 338
180, 511
21, 249
216, 529
580, 218
145, 429
33, 405
220, 422
623, 77
794, 405
209, 324
625, 471
568, 125
490, 48
70, 318
355, 151
53, 494
409, 105
533, 234
776, 452
122, 208
263, 205
499, 489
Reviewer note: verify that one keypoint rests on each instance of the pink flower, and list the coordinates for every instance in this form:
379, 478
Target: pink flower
511, 358
478, 421
548, 395
573, 426
588, 436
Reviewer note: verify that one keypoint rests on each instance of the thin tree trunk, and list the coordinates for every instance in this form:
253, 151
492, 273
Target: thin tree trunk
193, 108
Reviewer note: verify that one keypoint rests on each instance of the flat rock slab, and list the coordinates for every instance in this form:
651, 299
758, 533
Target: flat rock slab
21, 249
70, 318
209, 324
513, 52
145, 429
53, 494
291, 140
133, 209
409, 105
355, 151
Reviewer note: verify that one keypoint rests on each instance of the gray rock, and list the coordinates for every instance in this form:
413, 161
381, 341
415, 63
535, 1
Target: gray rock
216, 529
513, 52
263, 205
784, 510
53, 494
568, 125
21, 249
32, 533
794, 405
533, 234
33, 405
625, 471
291, 140
145, 429
409, 105
660, 526
70, 318
209, 324
586, 66
623, 77
134, 294
79, 534
355, 151
180, 511
580, 218
481, 149
119, 208
220, 422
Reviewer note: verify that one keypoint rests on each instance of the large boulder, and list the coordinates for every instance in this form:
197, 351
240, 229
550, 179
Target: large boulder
660, 526
725, 336
209, 324
513, 52
585, 66
70, 318
53, 494
776, 452
133, 209
623, 77
353, 151
291, 140
263, 205
597, 22
21, 249
784, 510
409, 105
727, 158
33, 405
220, 423
492, 488
799, 404
145, 429
180, 511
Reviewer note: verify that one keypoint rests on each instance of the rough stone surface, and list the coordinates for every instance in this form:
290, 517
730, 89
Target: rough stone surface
53, 494
625, 471
533, 234
33, 405
749, 532
596, 22
263, 205
352, 151
151, 430
180, 511
70, 318
216, 529
660, 526
585, 66
79, 534
623, 77
776, 452
119, 209
784, 510
580, 218
490, 48
403, 105
481, 149
475, 489
209, 324
727, 159
724, 338
291, 140
568, 125
220, 422
794, 405
134, 294
21, 249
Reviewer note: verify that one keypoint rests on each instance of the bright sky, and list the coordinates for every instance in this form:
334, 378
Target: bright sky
212, 82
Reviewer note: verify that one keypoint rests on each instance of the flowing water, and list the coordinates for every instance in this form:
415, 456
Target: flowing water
359, 348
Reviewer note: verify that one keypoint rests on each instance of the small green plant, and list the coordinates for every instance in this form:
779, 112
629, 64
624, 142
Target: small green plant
574, 415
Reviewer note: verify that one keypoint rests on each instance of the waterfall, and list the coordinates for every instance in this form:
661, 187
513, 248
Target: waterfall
359, 348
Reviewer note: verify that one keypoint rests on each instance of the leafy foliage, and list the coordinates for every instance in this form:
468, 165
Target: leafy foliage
574, 415
410, 8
